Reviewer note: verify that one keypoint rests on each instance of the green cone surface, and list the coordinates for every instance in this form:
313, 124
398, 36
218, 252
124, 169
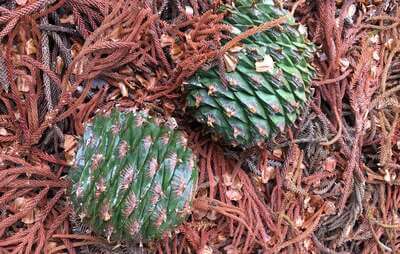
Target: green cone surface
134, 176
267, 88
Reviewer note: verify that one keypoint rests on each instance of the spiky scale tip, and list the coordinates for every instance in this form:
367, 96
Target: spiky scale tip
268, 84
124, 185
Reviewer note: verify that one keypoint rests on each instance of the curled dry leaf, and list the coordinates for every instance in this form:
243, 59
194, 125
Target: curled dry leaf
374, 39
4, 132
21, 2
30, 47
237, 184
234, 195
303, 30
266, 65
376, 56
374, 71
115, 35
30, 217
59, 64
277, 153
298, 222
330, 164
123, 89
23, 82
329, 208
230, 62
350, 12
50, 246
69, 19
389, 44
75, 49
189, 10
236, 49
166, 40
344, 64
389, 177
212, 215
267, 174
70, 145
19, 203
227, 179
176, 51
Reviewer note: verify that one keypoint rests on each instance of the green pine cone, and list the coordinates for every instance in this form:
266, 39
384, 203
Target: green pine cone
268, 79
134, 176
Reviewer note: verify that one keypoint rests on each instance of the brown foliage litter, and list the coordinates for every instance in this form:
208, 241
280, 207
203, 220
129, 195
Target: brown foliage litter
330, 185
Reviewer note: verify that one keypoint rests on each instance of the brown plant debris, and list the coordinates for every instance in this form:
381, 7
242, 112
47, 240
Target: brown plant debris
329, 185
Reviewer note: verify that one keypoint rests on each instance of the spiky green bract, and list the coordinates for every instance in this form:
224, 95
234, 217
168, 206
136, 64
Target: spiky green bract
134, 176
267, 88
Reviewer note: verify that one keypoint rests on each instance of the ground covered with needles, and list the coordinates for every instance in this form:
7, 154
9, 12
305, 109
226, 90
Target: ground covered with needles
328, 185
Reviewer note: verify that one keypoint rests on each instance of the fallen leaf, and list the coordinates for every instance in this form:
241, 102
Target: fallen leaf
166, 40
50, 246
302, 30
344, 64
176, 51
23, 83
59, 65
237, 184
376, 56
21, 2
115, 35
30, 47
299, 222
227, 179
329, 208
189, 10
75, 49
212, 215
389, 44
277, 152
330, 164
123, 89
29, 218
19, 203
266, 65
234, 195
267, 173
230, 62
350, 12
4, 132
68, 20
70, 145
